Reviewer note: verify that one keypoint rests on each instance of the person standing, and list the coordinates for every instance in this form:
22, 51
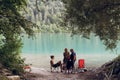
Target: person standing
72, 58
66, 57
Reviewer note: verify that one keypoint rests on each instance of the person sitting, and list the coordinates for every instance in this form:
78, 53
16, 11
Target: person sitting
55, 65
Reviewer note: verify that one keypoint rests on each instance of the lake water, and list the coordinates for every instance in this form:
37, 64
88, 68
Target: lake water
37, 50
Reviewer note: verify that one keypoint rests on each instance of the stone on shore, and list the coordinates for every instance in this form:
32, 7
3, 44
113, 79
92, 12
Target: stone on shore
13, 77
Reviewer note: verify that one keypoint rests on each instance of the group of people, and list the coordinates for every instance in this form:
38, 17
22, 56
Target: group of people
69, 59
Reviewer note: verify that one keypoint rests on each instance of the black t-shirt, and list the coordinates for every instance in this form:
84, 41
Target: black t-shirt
72, 56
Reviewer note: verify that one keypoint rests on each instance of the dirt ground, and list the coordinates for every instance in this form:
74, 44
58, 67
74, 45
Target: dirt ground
47, 75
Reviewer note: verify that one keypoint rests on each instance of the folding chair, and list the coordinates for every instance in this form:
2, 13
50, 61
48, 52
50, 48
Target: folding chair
81, 65
53, 68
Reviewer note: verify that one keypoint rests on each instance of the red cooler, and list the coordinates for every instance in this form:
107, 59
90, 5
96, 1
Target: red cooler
81, 63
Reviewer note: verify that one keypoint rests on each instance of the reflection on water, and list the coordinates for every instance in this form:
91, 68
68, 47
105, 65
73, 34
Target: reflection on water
46, 44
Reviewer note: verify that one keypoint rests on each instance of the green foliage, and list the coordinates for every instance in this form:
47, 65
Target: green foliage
10, 16
12, 24
3, 77
45, 13
54, 28
9, 54
101, 17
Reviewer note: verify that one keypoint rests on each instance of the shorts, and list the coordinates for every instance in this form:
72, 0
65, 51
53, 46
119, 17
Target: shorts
56, 65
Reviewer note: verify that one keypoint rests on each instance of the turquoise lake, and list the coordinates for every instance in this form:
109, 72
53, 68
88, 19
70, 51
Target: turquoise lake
46, 44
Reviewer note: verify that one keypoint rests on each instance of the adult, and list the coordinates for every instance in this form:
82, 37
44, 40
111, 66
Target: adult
72, 58
66, 56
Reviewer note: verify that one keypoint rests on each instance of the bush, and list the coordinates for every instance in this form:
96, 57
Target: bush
10, 57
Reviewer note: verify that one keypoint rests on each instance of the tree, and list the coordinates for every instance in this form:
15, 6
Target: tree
12, 24
101, 17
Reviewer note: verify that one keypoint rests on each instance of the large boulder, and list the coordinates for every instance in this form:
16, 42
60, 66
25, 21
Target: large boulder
110, 70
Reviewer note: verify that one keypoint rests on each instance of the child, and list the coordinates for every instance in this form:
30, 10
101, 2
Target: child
58, 64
